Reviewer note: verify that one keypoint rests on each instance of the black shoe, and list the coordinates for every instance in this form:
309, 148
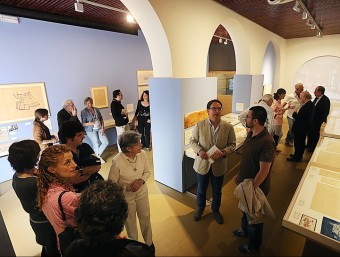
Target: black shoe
245, 249
152, 248
291, 159
240, 233
198, 215
218, 217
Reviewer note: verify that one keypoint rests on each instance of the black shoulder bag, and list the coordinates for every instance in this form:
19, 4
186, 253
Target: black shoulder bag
70, 233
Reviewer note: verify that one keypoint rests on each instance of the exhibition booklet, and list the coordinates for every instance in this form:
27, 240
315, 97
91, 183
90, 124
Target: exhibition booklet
212, 152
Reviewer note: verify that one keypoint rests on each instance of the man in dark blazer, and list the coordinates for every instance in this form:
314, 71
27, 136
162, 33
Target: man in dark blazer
69, 112
302, 125
322, 106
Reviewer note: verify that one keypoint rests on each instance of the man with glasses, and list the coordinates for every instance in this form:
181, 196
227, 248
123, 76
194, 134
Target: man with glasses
208, 133
72, 134
69, 112
257, 157
119, 114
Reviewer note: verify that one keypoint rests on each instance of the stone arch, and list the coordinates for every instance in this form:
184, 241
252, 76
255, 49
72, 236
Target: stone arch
154, 34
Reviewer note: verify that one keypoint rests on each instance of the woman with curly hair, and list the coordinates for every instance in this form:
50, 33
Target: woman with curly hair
23, 156
57, 173
100, 217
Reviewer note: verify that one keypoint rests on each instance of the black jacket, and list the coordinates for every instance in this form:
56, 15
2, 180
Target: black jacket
321, 110
63, 116
303, 119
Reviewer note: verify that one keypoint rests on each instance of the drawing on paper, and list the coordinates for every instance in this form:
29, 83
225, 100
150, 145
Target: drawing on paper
307, 222
19, 101
100, 97
330, 228
25, 101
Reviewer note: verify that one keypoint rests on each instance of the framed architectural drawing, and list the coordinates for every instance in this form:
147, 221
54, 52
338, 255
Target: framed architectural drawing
100, 97
19, 101
143, 77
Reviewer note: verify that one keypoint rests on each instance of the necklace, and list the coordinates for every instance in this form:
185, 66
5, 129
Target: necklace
133, 166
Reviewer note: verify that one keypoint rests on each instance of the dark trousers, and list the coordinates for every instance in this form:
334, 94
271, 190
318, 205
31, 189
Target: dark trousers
202, 185
144, 128
45, 236
314, 135
299, 145
254, 232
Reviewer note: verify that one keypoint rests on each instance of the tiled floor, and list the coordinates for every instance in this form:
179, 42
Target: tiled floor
175, 232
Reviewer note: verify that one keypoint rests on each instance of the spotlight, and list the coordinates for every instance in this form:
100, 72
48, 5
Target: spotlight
130, 19
296, 7
304, 15
319, 34
226, 41
220, 40
79, 7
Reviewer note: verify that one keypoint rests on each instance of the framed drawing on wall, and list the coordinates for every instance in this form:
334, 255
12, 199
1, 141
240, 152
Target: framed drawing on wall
99, 96
19, 101
143, 77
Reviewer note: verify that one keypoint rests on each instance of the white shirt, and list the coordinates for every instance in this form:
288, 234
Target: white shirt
293, 100
123, 168
269, 124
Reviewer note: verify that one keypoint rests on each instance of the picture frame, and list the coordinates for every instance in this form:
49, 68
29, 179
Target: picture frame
100, 96
19, 101
143, 77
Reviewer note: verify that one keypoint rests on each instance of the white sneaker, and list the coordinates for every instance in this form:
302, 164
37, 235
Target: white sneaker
101, 160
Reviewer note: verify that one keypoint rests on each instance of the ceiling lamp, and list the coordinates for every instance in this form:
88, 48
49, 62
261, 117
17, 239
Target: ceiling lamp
304, 15
220, 39
130, 19
307, 15
79, 7
296, 7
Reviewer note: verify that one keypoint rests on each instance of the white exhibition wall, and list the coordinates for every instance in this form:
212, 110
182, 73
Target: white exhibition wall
171, 100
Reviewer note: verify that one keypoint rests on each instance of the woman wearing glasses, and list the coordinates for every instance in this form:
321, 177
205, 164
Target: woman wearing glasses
130, 169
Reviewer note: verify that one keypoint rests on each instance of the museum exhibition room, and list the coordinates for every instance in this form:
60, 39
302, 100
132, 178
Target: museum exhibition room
183, 53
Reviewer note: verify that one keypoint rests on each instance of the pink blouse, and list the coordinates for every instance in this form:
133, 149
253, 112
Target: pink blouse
278, 112
52, 211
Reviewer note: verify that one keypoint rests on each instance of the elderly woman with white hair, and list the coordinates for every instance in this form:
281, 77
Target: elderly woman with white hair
266, 102
69, 112
130, 169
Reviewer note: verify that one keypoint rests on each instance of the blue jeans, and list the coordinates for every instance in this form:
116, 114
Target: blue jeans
254, 232
290, 135
99, 141
202, 185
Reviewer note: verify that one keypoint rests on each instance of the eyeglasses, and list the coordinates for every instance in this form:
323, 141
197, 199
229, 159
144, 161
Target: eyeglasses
216, 108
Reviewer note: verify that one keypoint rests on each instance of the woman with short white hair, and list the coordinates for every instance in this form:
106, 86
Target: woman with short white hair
130, 169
